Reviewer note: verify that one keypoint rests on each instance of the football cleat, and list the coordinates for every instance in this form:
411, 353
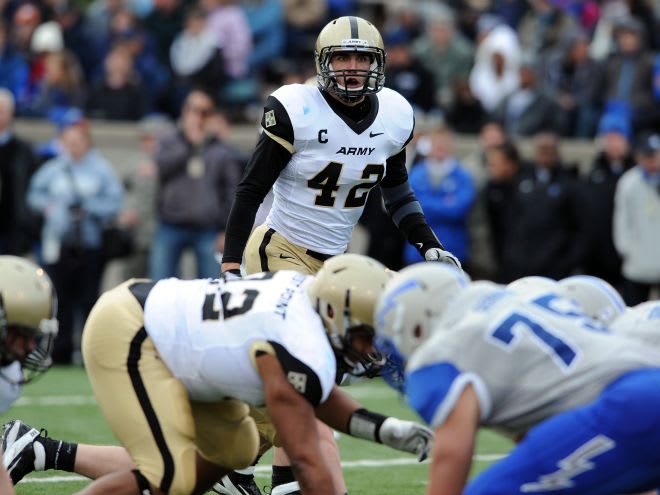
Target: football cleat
292, 488
22, 454
236, 484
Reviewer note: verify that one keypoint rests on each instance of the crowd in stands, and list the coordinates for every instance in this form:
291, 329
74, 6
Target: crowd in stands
539, 65
501, 70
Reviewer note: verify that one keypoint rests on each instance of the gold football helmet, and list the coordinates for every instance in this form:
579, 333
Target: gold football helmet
349, 34
344, 293
27, 310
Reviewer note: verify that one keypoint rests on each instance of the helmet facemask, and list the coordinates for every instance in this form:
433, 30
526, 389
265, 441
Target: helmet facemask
342, 330
334, 81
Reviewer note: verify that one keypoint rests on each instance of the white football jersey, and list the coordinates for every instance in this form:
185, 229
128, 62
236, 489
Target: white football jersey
320, 194
526, 362
209, 331
10, 388
640, 323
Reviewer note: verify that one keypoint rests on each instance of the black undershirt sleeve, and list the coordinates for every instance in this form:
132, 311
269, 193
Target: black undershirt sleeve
403, 207
267, 161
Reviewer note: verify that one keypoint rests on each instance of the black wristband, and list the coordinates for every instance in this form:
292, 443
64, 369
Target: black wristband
234, 271
365, 424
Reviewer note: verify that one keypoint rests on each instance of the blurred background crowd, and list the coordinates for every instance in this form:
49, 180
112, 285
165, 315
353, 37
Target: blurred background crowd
516, 79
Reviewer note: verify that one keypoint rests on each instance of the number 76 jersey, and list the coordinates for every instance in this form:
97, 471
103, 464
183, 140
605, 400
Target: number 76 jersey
320, 194
526, 362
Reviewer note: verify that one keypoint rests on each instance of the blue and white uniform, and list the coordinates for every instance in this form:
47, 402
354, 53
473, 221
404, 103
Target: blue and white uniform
585, 401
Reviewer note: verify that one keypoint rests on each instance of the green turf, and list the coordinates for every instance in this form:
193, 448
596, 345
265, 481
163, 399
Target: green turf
62, 402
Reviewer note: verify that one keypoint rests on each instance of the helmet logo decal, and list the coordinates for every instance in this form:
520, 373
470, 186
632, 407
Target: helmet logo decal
354, 43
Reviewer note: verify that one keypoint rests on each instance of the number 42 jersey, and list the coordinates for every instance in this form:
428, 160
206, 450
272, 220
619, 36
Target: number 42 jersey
320, 194
209, 332
526, 362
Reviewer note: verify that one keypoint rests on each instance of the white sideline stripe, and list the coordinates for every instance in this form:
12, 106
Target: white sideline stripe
262, 471
87, 400
56, 400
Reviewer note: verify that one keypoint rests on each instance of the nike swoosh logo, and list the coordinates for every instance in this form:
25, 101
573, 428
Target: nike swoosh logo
284, 257
419, 245
374, 134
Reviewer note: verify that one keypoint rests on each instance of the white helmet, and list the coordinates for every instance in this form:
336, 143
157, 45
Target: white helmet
410, 304
532, 286
597, 298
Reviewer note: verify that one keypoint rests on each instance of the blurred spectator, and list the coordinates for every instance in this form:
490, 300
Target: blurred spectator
637, 222
406, 74
613, 159
266, 20
62, 85
99, 16
626, 86
466, 114
495, 74
482, 264
195, 56
163, 23
549, 236
304, 19
443, 51
120, 95
26, 19
498, 199
228, 25
543, 26
511, 11
18, 163
76, 192
573, 76
193, 162
446, 192
78, 38
491, 134
529, 109
139, 211
603, 42
154, 74
14, 70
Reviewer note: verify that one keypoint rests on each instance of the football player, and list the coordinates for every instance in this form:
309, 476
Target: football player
174, 365
581, 403
27, 329
322, 149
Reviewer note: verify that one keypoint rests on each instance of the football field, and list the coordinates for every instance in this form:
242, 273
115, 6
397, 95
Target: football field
62, 402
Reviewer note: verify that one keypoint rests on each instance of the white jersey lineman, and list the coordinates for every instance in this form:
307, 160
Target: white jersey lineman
640, 323
11, 377
525, 362
208, 333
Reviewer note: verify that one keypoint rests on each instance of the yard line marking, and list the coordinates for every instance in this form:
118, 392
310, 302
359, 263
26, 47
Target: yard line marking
56, 400
263, 471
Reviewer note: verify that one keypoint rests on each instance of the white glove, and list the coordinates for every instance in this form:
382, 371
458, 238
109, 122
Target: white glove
407, 436
230, 276
437, 254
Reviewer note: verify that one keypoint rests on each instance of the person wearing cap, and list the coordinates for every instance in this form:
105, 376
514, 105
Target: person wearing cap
613, 158
637, 222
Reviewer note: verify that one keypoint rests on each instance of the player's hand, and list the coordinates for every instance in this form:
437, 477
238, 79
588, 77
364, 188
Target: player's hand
407, 436
437, 254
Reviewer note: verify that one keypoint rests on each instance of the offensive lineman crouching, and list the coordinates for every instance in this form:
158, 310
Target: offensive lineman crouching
174, 365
